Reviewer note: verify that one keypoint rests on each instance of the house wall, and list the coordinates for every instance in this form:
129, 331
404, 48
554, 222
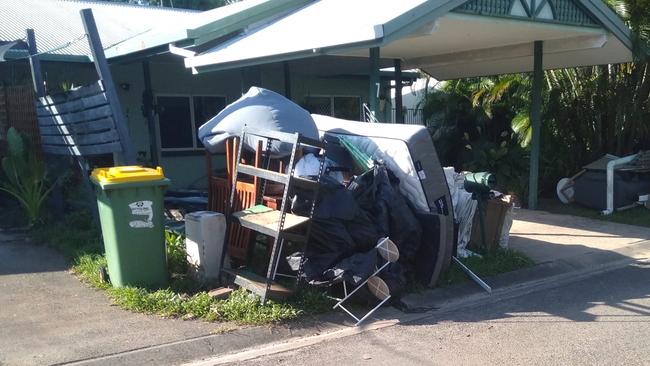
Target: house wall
305, 85
186, 169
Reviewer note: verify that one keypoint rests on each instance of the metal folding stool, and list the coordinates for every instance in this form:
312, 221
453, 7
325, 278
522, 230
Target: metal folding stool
389, 252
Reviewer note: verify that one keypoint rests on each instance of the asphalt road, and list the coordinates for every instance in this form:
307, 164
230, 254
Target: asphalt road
601, 320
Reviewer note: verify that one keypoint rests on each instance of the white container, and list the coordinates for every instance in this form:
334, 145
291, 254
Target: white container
204, 242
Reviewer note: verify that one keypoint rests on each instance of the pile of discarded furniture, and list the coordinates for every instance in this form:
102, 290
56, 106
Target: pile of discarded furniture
341, 205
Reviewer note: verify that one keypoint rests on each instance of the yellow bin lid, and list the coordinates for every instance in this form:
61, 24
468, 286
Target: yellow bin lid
127, 174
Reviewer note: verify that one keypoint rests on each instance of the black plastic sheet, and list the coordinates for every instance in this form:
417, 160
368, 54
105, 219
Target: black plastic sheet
349, 221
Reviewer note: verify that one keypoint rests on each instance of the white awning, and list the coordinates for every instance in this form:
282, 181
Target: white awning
311, 29
423, 34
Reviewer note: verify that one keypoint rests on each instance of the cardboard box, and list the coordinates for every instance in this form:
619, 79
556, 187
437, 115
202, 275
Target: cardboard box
495, 213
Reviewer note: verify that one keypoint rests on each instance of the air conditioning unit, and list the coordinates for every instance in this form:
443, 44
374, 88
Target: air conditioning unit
205, 233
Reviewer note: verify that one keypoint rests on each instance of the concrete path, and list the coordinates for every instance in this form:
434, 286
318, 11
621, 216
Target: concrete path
547, 237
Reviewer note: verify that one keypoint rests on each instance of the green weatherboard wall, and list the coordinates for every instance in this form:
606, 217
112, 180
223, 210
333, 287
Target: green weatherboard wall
131, 216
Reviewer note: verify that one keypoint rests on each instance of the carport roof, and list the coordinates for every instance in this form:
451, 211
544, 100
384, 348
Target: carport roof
447, 38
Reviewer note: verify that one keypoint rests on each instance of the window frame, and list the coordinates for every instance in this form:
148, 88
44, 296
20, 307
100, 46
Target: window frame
331, 98
195, 139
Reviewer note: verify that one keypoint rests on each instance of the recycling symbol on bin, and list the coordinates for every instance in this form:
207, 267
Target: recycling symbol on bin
144, 211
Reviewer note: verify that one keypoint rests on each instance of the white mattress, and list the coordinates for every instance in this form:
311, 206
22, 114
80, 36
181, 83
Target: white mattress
393, 151
396, 156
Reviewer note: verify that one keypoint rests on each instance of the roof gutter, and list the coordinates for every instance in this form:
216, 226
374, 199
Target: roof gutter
211, 31
13, 55
325, 51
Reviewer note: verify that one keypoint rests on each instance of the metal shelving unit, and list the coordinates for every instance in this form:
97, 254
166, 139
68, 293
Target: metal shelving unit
281, 225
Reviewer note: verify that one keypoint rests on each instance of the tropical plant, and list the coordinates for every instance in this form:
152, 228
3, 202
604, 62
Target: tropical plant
25, 176
586, 112
176, 254
470, 136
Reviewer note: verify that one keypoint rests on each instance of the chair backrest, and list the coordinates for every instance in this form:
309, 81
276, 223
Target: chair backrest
79, 123
246, 196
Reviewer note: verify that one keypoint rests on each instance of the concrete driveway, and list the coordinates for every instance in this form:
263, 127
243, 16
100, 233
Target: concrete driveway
547, 237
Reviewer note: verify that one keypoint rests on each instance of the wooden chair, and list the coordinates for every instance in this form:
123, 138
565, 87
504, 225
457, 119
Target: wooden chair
218, 197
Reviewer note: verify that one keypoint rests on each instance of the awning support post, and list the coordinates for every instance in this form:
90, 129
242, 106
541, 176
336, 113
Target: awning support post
535, 121
373, 90
399, 115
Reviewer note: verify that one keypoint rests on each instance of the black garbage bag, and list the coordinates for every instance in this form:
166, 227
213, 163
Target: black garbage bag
331, 239
377, 192
334, 201
353, 269
348, 223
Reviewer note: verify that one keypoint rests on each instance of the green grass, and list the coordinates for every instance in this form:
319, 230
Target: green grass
74, 236
241, 307
639, 216
490, 264
78, 239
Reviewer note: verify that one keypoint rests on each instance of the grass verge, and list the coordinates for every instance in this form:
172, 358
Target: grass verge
80, 241
489, 264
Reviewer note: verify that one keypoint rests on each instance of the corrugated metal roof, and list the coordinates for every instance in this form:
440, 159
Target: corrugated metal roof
56, 22
220, 20
319, 25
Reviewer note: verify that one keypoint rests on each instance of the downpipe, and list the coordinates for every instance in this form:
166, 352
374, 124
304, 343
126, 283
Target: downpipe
611, 167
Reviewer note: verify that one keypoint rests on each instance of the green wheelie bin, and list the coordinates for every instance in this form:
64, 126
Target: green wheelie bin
130, 203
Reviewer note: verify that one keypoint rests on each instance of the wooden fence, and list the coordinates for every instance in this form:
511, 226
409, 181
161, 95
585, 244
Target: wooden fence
79, 123
17, 110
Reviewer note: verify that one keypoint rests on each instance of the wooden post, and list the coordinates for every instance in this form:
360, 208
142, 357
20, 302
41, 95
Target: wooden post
373, 82
399, 115
35, 65
101, 65
535, 120
56, 199
147, 105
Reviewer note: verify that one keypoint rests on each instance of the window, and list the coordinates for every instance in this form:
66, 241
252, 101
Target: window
179, 118
346, 107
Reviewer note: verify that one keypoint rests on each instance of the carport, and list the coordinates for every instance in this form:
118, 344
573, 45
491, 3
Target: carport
448, 39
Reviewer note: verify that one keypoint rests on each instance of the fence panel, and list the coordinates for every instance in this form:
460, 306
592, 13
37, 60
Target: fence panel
412, 116
17, 110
